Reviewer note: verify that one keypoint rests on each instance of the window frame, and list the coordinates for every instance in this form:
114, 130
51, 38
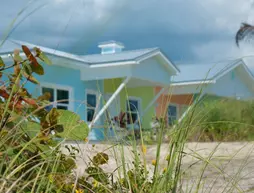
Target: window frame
91, 92
56, 87
139, 112
177, 112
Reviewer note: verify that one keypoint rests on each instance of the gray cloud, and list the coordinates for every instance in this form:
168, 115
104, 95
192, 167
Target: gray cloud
186, 30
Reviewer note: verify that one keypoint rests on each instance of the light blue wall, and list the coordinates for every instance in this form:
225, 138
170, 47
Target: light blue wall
71, 78
154, 71
230, 86
67, 77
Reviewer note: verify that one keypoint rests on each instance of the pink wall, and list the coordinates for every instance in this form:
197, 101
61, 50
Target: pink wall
164, 100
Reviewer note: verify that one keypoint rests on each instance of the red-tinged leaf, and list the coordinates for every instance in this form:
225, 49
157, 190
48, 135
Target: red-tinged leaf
2, 64
30, 101
4, 94
38, 69
42, 56
29, 55
17, 106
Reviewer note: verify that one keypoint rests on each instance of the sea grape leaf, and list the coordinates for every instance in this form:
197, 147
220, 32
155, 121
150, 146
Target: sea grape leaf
30, 78
2, 64
100, 159
74, 128
42, 56
38, 69
29, 55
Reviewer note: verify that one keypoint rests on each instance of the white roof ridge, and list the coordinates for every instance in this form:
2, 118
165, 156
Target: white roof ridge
208, 63
118, 53
19, 42
71, 55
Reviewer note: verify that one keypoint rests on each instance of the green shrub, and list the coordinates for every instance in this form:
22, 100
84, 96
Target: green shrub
30, 157
223, 120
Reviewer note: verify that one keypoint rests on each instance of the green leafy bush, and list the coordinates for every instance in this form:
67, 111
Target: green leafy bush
30, 157
223, 119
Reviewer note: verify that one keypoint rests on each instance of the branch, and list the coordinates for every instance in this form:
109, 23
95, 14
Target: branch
7, 67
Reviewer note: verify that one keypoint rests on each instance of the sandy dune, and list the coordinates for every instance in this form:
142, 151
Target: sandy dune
231, 166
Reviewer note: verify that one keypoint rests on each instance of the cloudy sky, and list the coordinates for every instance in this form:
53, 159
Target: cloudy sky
186, 30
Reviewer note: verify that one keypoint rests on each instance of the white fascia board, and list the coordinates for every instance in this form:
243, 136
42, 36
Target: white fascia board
193, 83
67, 62
164, 58
247, 70
99, 65
237, 63
177, 71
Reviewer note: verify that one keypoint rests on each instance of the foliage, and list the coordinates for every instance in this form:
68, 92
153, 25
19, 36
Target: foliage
224, 120
245, 32
32, 160
30, 157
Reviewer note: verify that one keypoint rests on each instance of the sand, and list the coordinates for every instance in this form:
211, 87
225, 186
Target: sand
231, 165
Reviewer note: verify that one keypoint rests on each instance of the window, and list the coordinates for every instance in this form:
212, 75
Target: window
133, 110
172, 114
92, 99
59, 97
108, 50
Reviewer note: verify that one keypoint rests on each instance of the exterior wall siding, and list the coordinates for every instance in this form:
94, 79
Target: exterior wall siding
155, 71
230, 85
146, 95
62, 76
164, 100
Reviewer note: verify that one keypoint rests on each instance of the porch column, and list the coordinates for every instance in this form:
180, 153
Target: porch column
154, 100
104, 108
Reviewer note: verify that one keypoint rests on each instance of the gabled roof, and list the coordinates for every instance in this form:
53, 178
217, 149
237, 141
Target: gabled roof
10, 45
122, 56
133, 56
249, 61
204, 73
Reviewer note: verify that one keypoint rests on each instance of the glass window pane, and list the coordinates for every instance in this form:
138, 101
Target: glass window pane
90, 114
63, 95
91, 100
172, 110
132, 117
62, 107
50, 91
171, 120
132, 105
172, 114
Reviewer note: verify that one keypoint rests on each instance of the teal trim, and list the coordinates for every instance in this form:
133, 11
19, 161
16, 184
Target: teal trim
232, 75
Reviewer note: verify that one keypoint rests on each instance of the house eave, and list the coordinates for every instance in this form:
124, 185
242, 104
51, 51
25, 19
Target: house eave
113, 64
199, 82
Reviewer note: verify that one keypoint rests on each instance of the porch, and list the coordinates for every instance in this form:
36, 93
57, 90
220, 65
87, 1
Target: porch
128, 93
126, 104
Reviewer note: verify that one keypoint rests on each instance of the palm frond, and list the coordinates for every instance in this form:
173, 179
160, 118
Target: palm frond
246, 32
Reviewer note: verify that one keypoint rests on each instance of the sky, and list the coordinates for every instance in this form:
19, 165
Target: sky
187, 31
